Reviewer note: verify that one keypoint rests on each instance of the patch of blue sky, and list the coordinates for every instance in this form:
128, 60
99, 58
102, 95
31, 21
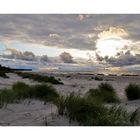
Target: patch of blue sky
36, 49
2, 48
51, 51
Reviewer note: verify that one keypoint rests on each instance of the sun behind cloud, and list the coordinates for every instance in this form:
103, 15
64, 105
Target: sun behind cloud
111, 41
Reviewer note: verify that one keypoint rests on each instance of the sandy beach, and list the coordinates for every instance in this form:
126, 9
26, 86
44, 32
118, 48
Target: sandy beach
81, 83
36, 113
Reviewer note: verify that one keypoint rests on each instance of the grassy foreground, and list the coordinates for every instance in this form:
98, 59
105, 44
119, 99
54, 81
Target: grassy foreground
91, 110
87, 111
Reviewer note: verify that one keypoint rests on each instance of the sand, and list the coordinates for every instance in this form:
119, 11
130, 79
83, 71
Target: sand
80, 84
36, 113
13, 78
28, 113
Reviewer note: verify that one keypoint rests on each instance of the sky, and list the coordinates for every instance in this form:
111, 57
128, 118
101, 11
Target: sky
66, 42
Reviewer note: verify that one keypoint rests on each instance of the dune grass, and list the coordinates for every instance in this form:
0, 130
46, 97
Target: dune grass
61, 104
88, 113
105, 93
3, 71
39, 78
91, 110
98, 78
3, 74
21, 91
132, 91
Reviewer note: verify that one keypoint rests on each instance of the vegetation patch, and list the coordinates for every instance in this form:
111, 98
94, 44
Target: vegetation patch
105, 93
3, 74
88, 113
132, 91
129, 75
3, 71
21, 91
98, 78
39, 78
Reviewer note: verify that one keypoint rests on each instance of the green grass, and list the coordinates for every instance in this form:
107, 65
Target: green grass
98, 78
4, 70
61, 104
21, 91
132, 91
88, 113
3, 74
105, 93
39, 78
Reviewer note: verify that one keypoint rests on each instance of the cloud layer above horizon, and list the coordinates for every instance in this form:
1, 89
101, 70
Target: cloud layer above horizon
94, 39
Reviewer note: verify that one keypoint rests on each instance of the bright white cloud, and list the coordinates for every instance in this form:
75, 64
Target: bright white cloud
113, 32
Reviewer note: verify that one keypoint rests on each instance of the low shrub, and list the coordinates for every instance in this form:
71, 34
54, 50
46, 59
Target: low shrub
21, 91
132, 91
98, 78
4, 70
68, 76
44, 92
61, 104
104, 93
88, 113
3, 74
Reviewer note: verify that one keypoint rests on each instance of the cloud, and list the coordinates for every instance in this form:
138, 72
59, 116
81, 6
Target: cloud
44, 59
14, 54
48, 30
65, 30
113, 32
54, 36
99, 58
82, 17
125, 59
28, 56
70, 31
66, 57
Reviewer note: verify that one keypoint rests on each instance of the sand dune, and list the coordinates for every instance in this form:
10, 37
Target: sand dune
36, 113
82, 83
